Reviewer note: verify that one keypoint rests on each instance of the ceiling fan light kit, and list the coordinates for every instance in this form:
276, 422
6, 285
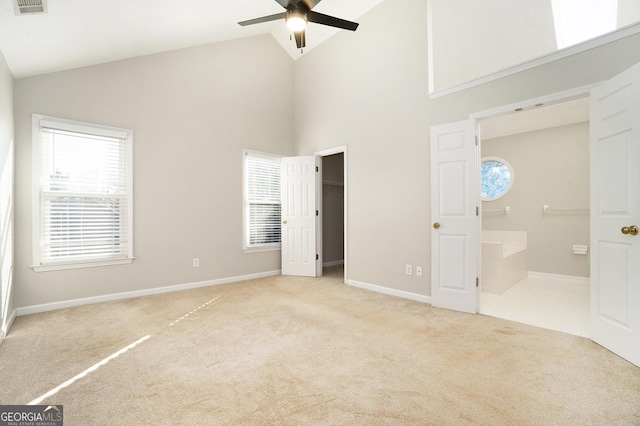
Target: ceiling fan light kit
296, 20
297, 16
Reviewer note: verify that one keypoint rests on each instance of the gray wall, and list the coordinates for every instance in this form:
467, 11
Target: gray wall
551, 167
368, 90
628, 12
192, 112
6, 192
468, 37
333, 208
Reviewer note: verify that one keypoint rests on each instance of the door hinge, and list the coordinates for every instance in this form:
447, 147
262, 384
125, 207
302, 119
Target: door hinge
317, 257
477, 211
477, 140
477, 282
317, 170
316, 212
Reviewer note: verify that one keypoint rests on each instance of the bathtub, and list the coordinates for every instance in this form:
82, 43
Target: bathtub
504, 259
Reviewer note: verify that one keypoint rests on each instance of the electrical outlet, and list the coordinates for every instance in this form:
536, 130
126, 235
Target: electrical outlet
418, 271
196, 262
408, 269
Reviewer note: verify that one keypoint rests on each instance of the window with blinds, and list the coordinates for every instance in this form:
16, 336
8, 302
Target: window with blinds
262, 200
83, 193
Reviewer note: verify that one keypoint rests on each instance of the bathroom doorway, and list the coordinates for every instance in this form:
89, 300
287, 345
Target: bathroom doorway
539, 225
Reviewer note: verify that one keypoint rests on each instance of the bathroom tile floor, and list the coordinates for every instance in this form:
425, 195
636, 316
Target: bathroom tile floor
556, 303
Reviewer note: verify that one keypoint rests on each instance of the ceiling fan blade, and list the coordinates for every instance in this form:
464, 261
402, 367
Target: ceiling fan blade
283, 3
263, 19
300, 39
331, 21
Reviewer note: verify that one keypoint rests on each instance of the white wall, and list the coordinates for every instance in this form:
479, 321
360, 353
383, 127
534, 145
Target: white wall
628, 12
368, 90
192, 112
473, 38
6, 195
551, 167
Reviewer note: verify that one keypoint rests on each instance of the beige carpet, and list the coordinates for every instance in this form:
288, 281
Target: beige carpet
295, 351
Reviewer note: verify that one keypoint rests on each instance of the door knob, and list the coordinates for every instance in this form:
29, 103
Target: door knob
284, 222
436, 225
625, 230
633, 230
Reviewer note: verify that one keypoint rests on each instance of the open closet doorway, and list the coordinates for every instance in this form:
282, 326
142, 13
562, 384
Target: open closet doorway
333, 212
535, 216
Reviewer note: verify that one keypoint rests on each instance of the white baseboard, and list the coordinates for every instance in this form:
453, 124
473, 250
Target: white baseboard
130, 294
390, 291
586, 280
333, 263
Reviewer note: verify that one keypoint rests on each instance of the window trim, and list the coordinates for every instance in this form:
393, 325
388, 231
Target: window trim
246, 247
38, 121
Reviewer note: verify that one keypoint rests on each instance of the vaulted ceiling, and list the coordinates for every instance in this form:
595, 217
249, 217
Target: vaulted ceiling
76, 33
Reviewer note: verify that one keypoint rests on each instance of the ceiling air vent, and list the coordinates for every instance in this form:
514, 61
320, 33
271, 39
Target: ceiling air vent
29, 7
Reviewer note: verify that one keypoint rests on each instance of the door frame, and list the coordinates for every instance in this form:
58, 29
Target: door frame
319, 231
557, 97
566, 95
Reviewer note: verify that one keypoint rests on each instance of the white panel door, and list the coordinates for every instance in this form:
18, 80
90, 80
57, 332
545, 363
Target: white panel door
298, 180
615, 215
454, 200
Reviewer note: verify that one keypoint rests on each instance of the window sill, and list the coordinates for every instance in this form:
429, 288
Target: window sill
64, 266
259, 249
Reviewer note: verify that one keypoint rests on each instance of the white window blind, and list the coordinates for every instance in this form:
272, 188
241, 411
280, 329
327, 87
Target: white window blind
84, 194
262, 189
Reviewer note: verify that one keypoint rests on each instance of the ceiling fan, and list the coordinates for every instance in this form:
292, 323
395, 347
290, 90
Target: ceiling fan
298, 14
